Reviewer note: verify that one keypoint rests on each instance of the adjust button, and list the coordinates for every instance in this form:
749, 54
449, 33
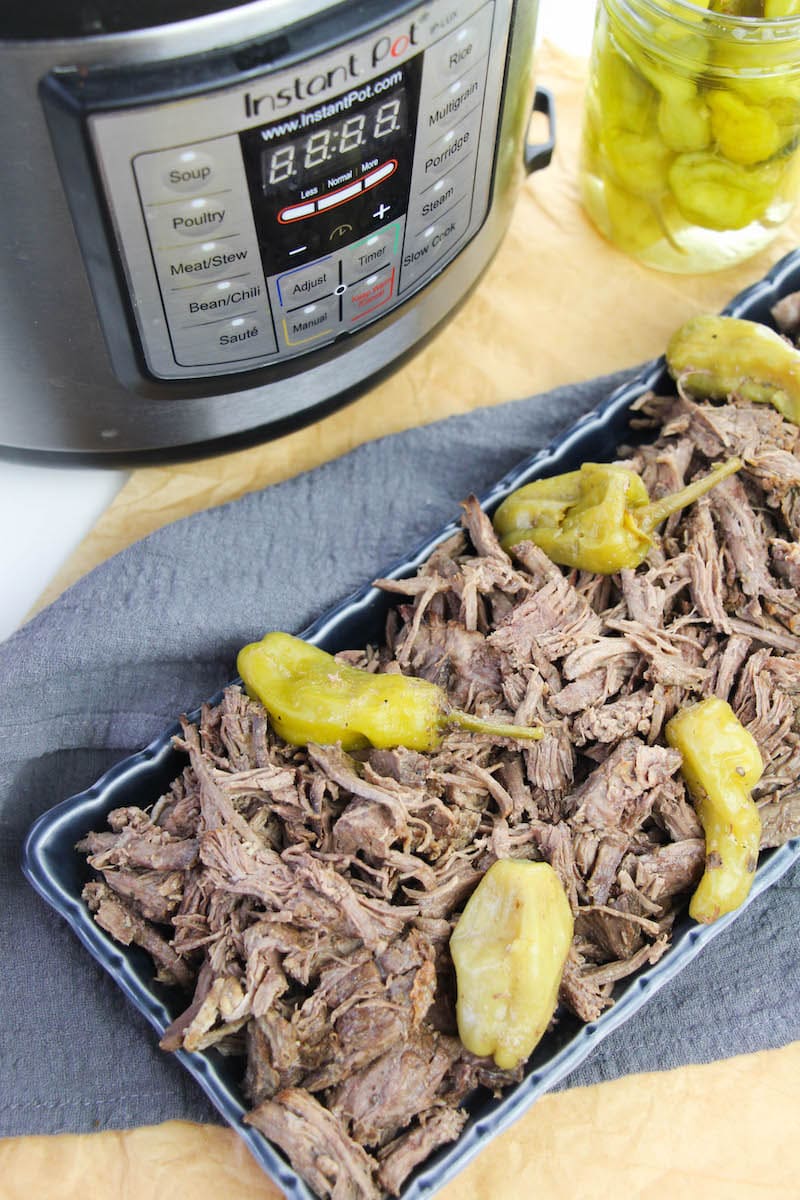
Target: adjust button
311, 282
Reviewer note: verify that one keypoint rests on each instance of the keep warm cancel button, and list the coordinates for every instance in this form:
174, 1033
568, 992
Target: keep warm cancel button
433, 243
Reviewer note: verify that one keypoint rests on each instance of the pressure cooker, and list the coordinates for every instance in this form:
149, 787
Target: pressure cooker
221, 218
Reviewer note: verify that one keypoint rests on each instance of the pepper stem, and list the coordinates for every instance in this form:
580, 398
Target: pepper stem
463, 720
650, 515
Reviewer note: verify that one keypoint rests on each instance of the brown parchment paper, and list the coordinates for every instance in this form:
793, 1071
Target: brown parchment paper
557, 305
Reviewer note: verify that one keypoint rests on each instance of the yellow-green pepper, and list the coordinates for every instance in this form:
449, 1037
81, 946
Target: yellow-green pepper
310, 697
717, 194
715, 357
721, 766
599, 518
745, 133
509, 947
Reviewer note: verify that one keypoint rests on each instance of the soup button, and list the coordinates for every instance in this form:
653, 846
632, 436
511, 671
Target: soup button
188, 171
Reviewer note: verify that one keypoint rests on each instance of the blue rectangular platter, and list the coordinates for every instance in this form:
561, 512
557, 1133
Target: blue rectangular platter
58, 871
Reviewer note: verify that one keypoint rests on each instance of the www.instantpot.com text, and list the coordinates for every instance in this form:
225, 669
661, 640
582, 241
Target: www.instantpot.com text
355, 96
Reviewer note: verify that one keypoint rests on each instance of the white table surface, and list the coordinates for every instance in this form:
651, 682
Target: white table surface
48, 510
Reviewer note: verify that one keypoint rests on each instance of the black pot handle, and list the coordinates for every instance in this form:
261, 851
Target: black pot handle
538, 155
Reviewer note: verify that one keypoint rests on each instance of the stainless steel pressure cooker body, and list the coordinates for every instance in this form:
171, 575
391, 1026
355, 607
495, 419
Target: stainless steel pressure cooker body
229, 221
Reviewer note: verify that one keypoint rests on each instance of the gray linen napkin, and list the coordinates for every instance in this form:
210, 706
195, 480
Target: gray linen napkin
155, 631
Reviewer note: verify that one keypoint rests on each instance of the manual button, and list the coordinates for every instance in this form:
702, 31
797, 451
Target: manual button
311, 322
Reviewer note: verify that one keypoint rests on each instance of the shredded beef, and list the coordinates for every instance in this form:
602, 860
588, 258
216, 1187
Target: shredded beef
303, 898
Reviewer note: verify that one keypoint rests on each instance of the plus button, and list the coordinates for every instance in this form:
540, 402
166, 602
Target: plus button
381, 211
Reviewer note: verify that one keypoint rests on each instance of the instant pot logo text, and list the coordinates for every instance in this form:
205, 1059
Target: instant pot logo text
383, 52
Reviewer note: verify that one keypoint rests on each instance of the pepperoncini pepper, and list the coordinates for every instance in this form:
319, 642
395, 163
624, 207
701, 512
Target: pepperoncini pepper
509, 947
310, 697
598, 518
714, 357
721, 766
695, 109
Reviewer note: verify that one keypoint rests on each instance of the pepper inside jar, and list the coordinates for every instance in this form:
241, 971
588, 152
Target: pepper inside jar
691, 139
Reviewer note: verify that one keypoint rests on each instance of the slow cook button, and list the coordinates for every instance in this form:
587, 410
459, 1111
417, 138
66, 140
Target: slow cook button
311, 282
227, 257
431, 245
227, 340
196, 218
311, 322
369, 296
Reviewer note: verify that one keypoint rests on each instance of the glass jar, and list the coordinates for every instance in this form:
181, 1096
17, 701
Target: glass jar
691, 139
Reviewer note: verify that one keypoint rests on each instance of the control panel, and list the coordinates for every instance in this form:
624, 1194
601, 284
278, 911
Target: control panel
258, 222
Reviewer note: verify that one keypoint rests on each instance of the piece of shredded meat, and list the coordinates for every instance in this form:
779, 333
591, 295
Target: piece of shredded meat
303, 899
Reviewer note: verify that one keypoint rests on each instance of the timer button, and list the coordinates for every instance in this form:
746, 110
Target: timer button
188, 171
371, 253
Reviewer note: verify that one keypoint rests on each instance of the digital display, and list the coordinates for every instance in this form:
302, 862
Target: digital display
334, 172
336, 145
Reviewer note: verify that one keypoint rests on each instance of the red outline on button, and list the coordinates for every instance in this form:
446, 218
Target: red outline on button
311, 207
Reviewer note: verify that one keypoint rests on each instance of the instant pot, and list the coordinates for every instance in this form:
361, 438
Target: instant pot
224, 218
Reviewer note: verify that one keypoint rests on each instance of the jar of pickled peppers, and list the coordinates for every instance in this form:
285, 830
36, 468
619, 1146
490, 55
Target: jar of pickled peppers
691, 139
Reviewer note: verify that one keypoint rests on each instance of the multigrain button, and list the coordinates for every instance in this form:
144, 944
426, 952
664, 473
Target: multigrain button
454, 101
187, 170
